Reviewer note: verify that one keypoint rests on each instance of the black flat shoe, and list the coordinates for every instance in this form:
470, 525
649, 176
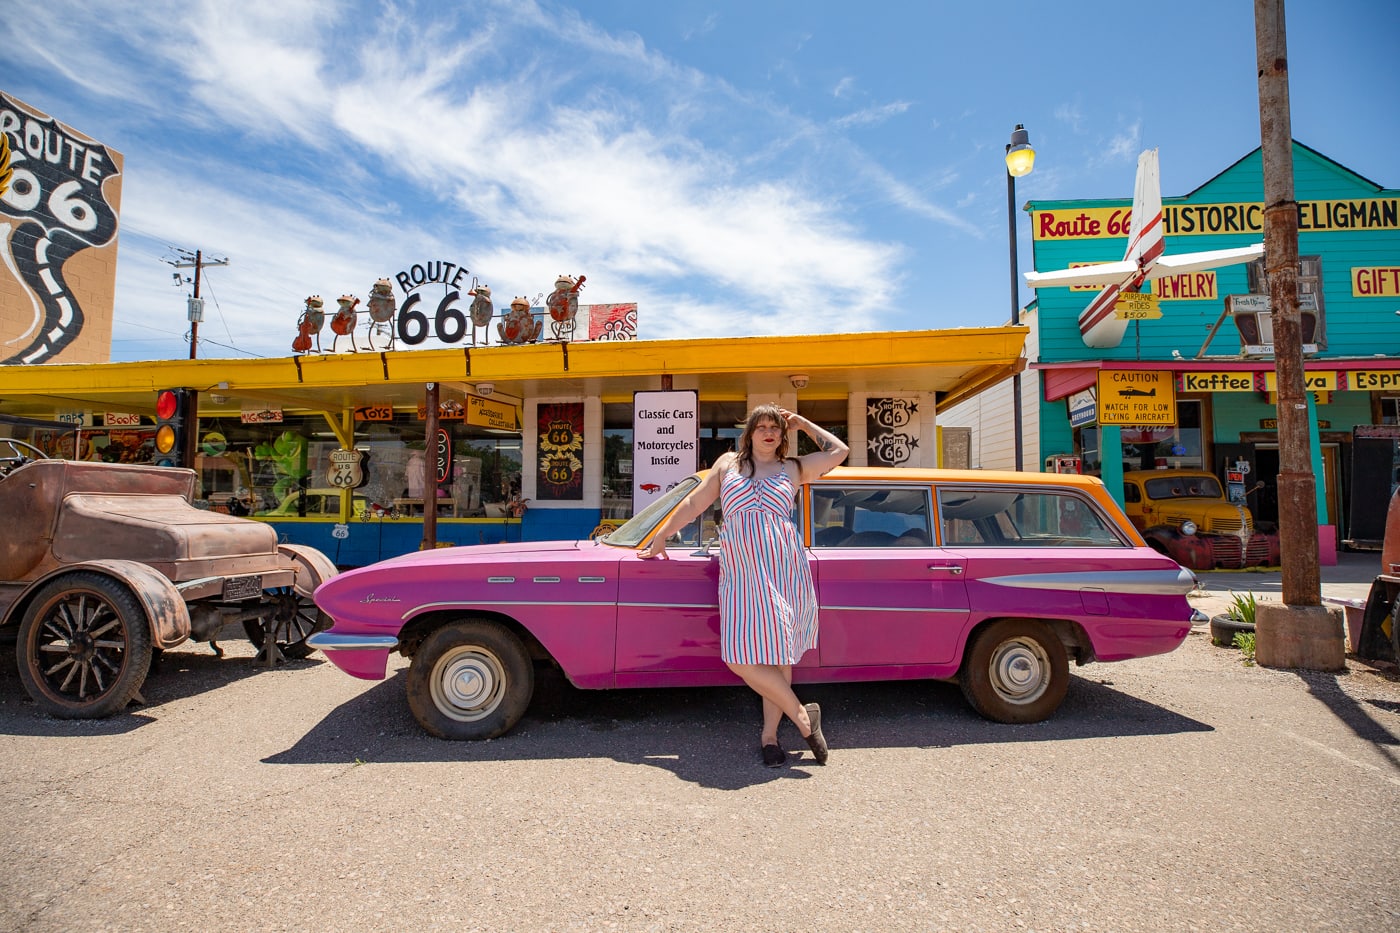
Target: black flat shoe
773, 756
816, 741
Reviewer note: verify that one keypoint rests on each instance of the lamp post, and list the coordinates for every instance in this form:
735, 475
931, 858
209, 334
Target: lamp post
1020, 159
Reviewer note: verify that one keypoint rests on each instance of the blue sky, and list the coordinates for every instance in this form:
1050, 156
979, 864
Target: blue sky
756, 167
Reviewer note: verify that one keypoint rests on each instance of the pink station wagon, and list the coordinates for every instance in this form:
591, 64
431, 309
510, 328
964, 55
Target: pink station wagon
995, 579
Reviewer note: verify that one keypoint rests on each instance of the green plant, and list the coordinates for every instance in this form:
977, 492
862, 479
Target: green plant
1242, 607
1245, 642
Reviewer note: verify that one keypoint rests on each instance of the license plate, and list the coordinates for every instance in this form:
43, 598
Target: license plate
243, 587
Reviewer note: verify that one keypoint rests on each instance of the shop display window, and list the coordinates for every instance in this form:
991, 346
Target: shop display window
282, 470
1178, 447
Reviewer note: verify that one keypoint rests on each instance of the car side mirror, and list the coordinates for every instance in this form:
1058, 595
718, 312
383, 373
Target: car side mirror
705, 547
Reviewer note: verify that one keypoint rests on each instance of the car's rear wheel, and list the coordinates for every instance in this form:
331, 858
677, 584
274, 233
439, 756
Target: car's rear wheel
470, 680
1015, 671
84, 647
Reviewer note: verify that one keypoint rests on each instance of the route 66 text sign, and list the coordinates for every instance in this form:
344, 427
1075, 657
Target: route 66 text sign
346, 470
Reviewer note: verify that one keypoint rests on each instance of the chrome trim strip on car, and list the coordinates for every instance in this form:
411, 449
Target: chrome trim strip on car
1161, 582
668, 606
546, 579
334, 641
893, 609
472, 603
593, 579
500, 579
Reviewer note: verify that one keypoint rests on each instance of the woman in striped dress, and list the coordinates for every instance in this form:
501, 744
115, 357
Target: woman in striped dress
767, 604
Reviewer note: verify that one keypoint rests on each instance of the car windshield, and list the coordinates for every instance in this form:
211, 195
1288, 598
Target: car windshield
635, 530
1184, 487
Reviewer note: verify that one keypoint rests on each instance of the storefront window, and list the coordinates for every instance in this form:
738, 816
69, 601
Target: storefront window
1179, 447
281, 469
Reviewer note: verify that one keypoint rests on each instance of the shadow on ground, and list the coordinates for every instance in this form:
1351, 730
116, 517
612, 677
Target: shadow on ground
709, 735
190, 669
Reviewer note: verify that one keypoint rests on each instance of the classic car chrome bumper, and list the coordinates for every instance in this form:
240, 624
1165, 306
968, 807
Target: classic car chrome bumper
332, 641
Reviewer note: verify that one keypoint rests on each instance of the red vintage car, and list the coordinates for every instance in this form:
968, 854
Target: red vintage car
995, 579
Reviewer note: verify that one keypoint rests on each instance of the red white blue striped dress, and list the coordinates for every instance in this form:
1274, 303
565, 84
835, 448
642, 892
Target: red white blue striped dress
767, 604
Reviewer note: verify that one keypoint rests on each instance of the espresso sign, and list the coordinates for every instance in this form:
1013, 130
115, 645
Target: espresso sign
664, 442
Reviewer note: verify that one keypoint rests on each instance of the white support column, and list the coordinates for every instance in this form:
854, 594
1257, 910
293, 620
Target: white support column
529, 448
928, 430
855, 430
593, 445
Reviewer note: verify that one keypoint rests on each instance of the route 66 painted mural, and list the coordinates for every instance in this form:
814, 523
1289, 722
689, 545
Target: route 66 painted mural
58, 220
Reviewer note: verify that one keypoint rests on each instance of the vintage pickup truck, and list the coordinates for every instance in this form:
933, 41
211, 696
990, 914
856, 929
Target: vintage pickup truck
1186, 515
103, 564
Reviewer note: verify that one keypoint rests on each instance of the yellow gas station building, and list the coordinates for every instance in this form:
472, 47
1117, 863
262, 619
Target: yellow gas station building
528, 442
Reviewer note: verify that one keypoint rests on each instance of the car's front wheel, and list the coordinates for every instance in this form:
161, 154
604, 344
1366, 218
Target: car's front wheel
1015, 671
470, 680
84, 647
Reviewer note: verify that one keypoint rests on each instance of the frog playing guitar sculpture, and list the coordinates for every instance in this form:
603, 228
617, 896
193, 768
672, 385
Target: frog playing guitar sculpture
519, 325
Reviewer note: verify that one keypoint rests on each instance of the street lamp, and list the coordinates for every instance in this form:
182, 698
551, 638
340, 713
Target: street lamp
1020, 159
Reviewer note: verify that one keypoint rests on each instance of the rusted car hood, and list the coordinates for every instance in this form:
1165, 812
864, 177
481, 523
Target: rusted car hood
153, 528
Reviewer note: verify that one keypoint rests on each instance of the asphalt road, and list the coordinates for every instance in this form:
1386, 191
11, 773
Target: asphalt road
1185, 792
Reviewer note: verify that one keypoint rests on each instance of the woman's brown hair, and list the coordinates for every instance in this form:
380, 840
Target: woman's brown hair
767, 412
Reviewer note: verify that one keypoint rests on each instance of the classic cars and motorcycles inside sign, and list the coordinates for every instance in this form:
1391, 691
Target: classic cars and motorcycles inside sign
664, 442
560, 452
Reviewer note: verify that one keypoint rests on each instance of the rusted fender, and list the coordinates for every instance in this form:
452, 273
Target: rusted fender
313, 567
166, 612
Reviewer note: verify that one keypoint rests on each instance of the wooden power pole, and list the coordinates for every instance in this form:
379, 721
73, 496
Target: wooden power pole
1301, 632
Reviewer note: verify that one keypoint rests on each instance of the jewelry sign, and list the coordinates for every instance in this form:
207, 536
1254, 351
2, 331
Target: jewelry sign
664, 442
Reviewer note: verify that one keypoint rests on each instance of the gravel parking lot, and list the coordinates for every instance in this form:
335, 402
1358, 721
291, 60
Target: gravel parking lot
1184, 792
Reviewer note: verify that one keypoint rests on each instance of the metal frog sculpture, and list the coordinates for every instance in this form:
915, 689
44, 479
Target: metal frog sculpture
563, 305
343, 322
519, 325
312, 319
481, 311
382, 308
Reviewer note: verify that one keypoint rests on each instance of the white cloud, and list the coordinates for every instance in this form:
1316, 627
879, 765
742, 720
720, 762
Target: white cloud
359, 148
871, 116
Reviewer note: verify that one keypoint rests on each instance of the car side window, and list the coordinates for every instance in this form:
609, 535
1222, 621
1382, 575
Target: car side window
1131, 493
1004, 517
873, 516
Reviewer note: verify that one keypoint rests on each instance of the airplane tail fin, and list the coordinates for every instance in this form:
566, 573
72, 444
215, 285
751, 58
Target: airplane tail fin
1145, 243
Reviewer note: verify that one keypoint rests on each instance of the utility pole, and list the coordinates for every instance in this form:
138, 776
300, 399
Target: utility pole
1300, 633
197, 262
196, 314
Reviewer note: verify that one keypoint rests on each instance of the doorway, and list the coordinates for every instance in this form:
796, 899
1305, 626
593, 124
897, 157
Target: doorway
1265, 501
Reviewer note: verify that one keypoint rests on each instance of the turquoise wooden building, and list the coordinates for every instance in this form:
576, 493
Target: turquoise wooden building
1211, 347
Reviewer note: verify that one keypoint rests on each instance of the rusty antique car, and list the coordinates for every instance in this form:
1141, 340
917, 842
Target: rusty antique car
103, 564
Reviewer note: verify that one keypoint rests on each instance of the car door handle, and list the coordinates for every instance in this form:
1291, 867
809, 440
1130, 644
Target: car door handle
954, 569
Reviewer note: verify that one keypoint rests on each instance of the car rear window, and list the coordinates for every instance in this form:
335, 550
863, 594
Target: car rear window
870, 516
1008, 517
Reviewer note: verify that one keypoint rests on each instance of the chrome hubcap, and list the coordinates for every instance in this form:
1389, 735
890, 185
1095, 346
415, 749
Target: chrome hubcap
1020, 671
468, 684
